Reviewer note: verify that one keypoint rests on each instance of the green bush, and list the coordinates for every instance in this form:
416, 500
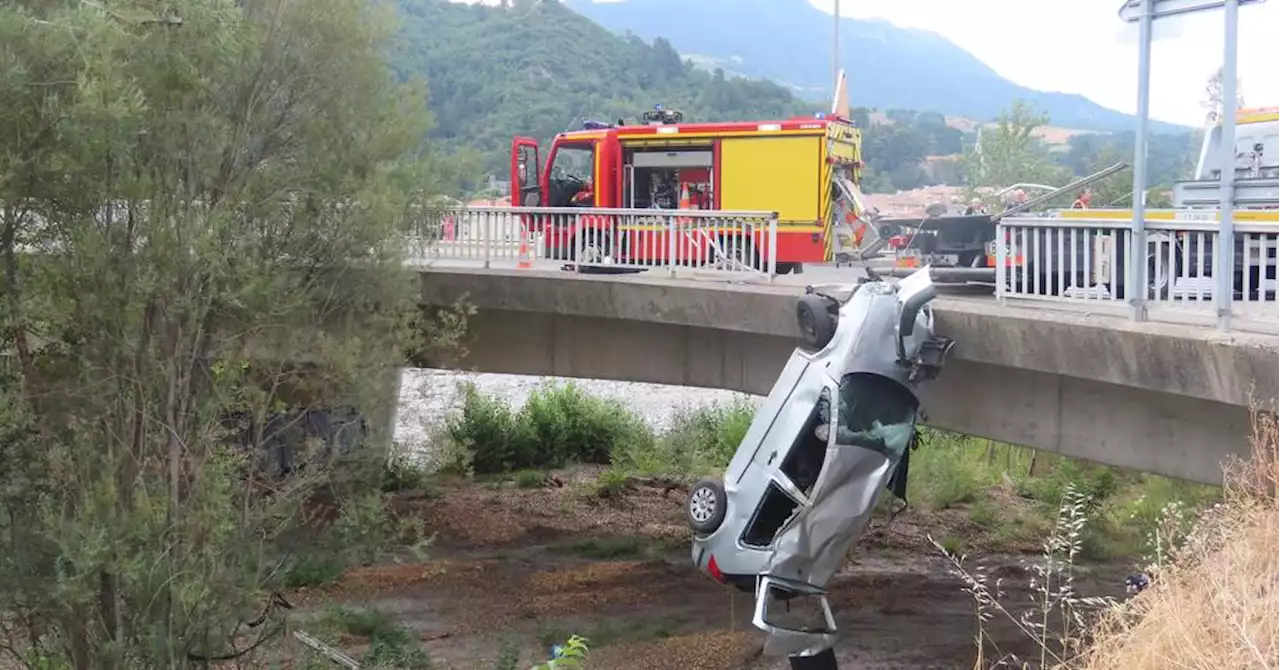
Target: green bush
558, 424
697, 441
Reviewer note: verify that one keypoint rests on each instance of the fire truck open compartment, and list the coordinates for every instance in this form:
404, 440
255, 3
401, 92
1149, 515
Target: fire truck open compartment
658, 177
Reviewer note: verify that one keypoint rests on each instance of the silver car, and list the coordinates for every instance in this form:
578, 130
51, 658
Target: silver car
832, 434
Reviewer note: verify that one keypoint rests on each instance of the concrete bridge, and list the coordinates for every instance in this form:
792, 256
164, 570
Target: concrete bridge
1162, 398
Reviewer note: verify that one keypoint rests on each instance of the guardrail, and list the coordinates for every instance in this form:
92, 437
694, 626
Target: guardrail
726, 244
1088, 261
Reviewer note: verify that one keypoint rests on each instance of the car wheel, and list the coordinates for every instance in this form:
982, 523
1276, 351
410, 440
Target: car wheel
823, 660
817, 325
705, 507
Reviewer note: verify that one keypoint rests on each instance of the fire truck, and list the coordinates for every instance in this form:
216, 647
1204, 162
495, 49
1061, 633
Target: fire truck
803, 169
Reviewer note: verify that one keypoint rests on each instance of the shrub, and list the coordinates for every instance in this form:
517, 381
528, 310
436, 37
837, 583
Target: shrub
486, 430
697, 441
558, 424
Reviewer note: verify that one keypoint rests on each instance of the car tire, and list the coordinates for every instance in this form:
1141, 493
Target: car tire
704, 509
817, 324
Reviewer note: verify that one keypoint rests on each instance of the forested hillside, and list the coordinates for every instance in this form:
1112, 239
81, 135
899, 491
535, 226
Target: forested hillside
539, 68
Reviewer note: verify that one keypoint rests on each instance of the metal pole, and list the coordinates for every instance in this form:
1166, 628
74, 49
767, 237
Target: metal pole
835, 50
1225, 245
1135, 272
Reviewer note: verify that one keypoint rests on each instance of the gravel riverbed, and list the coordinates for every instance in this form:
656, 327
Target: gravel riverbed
428, 397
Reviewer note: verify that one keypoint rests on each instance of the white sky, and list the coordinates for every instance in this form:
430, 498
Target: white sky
1082, 46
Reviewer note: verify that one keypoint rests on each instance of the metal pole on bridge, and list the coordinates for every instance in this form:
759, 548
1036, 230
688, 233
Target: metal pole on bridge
1135, 270
835, 50
1225, 246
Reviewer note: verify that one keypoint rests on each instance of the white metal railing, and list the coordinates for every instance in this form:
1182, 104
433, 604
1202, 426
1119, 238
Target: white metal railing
724, 243
1089, 261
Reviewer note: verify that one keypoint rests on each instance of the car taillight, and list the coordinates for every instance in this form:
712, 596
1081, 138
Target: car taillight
898, 242
714, 570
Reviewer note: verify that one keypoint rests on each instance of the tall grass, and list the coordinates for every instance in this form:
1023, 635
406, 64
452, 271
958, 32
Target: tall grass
1214, 599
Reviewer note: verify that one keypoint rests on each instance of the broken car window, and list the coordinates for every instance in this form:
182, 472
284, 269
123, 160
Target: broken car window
804, 461
775, 508
875, 413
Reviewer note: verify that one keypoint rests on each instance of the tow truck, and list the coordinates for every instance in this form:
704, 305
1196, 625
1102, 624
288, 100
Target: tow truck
804, 169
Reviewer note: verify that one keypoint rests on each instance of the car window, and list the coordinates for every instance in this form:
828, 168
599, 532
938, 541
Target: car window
776, 507
875, 413
808, 452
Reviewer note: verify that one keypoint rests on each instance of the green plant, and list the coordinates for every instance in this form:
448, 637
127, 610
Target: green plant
1058, 621
529, 479
610, 484
696, 441
313, 568
390, 645
402, 475
573, 654
558, 424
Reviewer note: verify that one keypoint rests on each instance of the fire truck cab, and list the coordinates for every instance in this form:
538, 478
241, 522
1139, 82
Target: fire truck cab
787, 167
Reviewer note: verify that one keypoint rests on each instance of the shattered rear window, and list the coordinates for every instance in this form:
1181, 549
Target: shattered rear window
876, 413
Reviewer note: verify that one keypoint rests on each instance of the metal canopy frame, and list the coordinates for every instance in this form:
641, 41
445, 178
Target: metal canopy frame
1144, 12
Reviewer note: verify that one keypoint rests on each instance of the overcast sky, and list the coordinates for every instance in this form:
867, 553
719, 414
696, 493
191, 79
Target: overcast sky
1081, 46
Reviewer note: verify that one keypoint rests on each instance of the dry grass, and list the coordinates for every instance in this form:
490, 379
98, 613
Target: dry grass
1216, 603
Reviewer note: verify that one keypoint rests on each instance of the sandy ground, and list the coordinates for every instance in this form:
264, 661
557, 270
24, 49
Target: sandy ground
537, 564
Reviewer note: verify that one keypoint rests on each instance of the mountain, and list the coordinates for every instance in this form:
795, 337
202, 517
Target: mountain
789, 41
537, 68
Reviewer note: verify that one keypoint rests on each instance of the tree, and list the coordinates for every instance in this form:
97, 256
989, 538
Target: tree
198, 226
1009, 152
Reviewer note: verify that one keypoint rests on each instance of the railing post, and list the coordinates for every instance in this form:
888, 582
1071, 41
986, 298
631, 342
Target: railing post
486, 235
771, 265
672, 225
1002, 256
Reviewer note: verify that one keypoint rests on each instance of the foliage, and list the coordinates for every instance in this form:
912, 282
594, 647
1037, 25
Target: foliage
1011, 493
1010, 152
1212, 600
573, 654
198, 225
1058, 621
556, 425
696, 441
390, 646
538, 68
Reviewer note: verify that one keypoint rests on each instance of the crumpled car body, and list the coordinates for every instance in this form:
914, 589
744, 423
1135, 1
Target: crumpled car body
832, 434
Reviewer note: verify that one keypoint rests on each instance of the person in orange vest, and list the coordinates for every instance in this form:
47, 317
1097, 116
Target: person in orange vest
1083, 200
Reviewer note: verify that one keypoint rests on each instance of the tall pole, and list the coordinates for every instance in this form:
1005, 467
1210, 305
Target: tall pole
835, 49
1225, 245
1136, 270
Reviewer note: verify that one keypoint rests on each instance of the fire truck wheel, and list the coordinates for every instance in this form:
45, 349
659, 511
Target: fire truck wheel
817, 324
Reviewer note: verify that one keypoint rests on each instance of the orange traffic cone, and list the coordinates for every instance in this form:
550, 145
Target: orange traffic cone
524, 257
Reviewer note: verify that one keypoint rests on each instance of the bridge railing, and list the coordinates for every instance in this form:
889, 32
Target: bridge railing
720, 243
1087, 261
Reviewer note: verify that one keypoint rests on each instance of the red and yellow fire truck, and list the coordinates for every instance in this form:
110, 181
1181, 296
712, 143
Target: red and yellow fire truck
791, 168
